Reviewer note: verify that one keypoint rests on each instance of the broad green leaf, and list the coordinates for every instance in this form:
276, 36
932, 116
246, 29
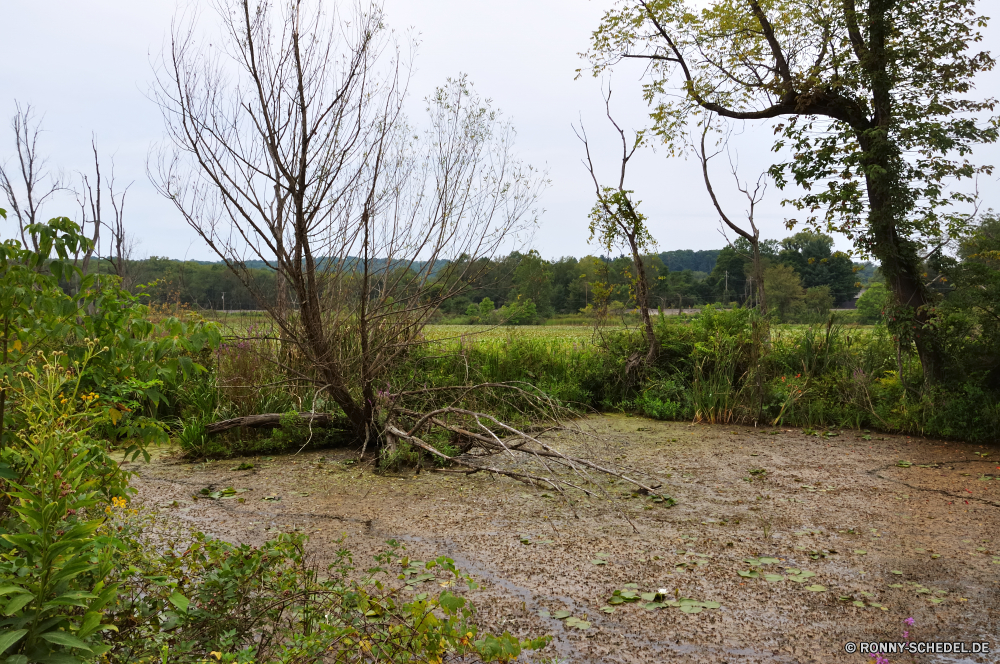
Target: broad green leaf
66, 639
91, 622
16, 604
9, 637
180, 601
6, 590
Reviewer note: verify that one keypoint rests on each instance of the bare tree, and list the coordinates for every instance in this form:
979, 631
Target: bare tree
754, 197
616, 218
759, 325
89, 198
28, 184
290, 146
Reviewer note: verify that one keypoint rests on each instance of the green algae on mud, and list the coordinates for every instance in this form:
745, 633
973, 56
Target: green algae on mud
820, 503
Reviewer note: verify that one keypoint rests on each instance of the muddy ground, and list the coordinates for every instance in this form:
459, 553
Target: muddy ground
892, 527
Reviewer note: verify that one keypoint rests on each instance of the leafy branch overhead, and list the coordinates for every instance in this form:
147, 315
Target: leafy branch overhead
871, 98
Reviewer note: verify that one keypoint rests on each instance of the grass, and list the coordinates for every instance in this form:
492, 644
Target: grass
801, 375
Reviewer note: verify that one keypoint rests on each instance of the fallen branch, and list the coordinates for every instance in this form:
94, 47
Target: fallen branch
267, 421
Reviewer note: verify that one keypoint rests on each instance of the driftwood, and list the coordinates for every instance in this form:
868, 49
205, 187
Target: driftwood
267, 421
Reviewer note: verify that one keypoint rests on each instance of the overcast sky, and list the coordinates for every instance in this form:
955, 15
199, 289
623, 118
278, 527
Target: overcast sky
87, 67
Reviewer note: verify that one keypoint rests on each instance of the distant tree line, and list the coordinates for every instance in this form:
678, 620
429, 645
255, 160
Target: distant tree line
803, 272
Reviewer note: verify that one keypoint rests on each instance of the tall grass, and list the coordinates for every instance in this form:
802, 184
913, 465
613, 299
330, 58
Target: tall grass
723, 366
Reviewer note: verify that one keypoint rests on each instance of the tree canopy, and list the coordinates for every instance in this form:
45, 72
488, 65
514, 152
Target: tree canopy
870, 101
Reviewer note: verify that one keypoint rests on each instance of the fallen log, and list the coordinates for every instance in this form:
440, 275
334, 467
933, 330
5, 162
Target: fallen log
267, 421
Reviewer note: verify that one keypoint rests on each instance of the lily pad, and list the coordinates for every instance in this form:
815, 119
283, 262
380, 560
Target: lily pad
691, 608
562, 614
768, 561
599, 561
861, 552
816, 588
748, 574
608, 609
858, 603
897, 572
773, 578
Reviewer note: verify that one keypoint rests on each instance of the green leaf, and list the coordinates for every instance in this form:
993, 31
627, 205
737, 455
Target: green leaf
10, 637
773, 578
6, 590
816, 588
749, 574
66, 639
180, 601
91, 621
561, 615
691, 608
16, 604
451, 603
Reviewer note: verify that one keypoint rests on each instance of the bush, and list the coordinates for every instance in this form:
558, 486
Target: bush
204, 597
56, 570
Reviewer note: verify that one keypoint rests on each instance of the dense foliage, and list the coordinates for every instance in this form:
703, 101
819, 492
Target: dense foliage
85, 577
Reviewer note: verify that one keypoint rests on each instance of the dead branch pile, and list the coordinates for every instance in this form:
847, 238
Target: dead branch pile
527, 452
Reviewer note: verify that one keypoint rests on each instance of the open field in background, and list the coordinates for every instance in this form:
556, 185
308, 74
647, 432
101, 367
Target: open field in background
571, 334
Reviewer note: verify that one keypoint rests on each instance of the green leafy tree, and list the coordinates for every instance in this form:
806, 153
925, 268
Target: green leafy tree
784, 289
870, 96
615, 221
533, 281
812, 256
972, 280
872, 303
818, 300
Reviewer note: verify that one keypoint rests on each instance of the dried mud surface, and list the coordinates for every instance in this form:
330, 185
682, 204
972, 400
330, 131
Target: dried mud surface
840, 506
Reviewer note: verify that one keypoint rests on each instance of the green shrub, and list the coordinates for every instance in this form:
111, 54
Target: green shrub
55, 569
238, 603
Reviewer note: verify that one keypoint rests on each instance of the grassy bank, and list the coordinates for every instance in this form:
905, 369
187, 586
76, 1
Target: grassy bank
712, 368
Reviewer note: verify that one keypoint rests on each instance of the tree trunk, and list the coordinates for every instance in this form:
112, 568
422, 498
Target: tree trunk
642, 295
266, 421
890, 200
